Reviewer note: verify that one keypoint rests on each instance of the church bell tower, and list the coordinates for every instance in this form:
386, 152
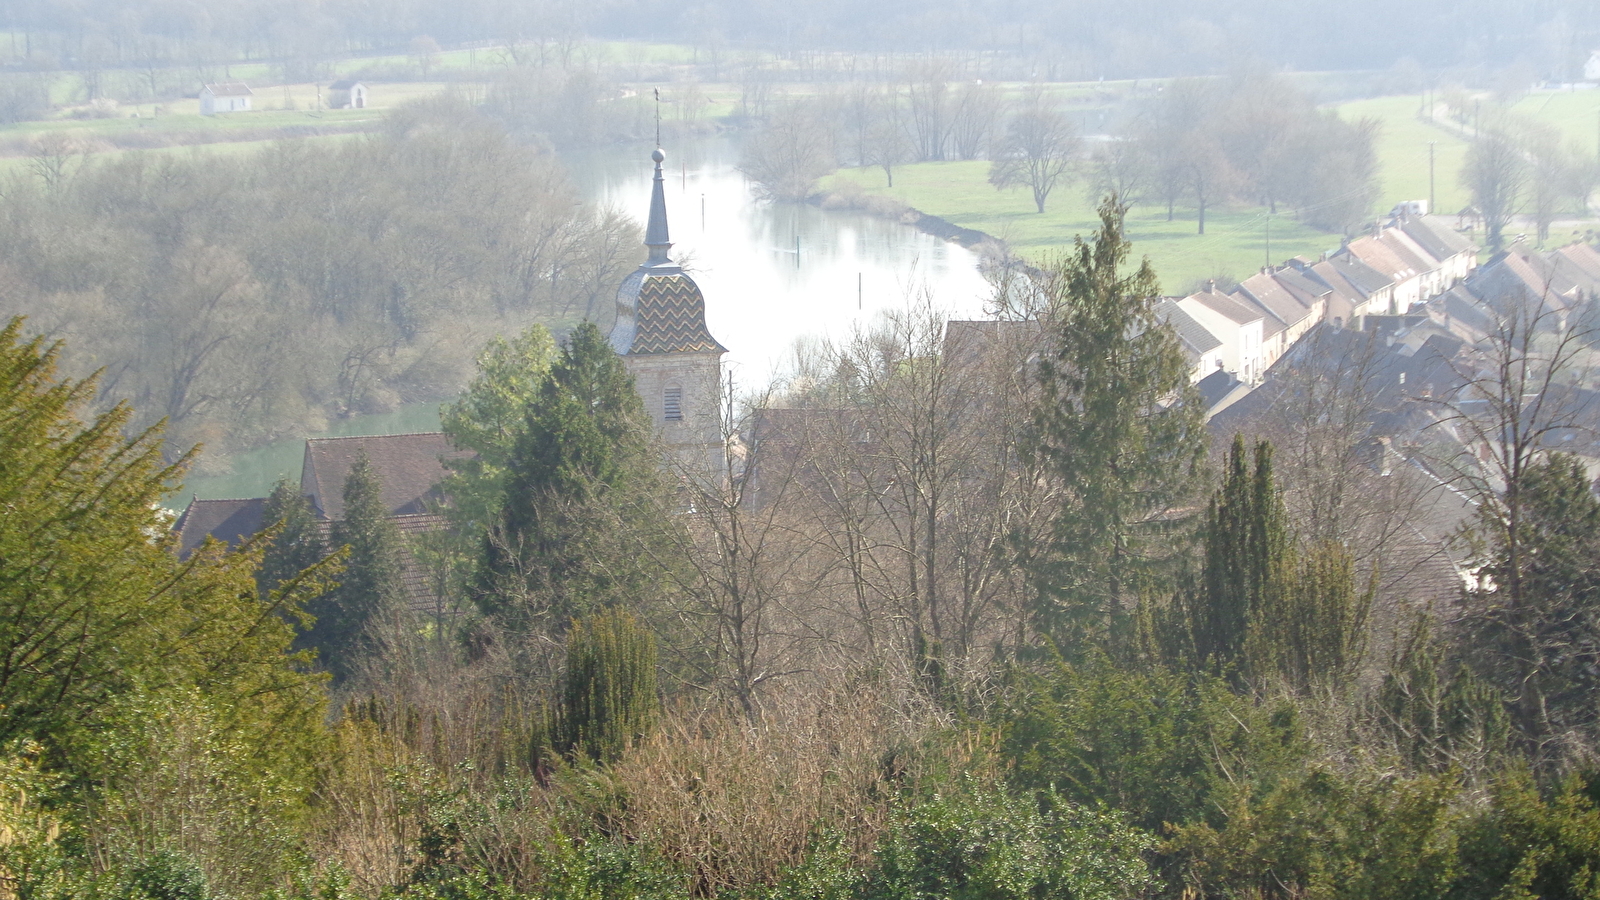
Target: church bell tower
662, 336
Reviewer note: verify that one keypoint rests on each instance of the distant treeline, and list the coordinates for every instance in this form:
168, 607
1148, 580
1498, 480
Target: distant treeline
241, 297
1079, 39
1194, 143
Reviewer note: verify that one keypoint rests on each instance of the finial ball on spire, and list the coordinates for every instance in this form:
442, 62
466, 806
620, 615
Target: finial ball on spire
658, 156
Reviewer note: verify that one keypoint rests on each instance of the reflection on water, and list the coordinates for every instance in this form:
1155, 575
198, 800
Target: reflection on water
774, 273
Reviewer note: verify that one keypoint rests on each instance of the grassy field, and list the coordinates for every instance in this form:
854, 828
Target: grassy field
1402, 148
1233, 247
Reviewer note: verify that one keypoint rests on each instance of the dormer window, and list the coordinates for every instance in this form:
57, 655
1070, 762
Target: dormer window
672, 403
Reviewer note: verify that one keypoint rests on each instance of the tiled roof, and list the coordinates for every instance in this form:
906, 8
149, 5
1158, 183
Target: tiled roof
408, 465
1230, 308
1440, 240
230, 89
1381, 258
1364, 278
1195, 337
231, 521
1271, 296
671, 316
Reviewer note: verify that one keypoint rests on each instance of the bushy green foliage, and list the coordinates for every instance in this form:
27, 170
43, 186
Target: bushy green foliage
163, 687
609, 697
980, 843
1323, 835
1528, 843
1263, 610
1161, 746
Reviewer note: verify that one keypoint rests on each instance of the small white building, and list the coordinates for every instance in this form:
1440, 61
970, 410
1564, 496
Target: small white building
232, 96
1591, 69
347, 94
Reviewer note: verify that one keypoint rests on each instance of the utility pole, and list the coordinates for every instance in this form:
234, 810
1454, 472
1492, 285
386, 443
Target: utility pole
1269, 240
1431, 204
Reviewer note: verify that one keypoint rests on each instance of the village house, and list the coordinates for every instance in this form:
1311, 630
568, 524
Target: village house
232, 96
409, 468
1202, 348
347, 94
1239, 326
1286, 317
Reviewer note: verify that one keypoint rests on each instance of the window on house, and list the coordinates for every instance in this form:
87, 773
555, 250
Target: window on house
672, 403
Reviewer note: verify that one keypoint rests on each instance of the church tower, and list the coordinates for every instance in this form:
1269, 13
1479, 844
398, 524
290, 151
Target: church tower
662, 336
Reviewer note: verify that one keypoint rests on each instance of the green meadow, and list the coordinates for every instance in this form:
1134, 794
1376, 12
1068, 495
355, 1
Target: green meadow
1236, 242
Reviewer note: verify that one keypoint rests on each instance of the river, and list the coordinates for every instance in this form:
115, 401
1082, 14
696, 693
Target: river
775, 273
761, 294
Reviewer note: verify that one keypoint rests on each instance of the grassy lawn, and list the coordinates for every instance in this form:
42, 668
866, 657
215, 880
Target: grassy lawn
1402, 148
1233, 247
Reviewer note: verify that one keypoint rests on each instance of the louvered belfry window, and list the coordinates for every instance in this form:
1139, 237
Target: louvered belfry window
672, 403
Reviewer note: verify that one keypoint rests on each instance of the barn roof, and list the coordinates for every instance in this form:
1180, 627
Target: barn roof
229, 89
408, 467
231, 521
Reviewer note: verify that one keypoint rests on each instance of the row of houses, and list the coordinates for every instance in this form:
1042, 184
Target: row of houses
1241, 332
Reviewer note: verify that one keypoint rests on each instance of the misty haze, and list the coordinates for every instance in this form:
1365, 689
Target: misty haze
991, 450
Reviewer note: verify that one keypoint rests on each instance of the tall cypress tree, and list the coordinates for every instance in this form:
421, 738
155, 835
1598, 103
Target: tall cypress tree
610, 696
371, 587
1248, 559
1121, 431
583, 498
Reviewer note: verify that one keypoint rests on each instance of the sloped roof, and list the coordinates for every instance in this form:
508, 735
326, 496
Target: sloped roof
230, 521
1229, 307
407, 465
1440, 240
1409, 251
345, 84
229, 89
1364, 279
1195, 337
1271, 296
1381, 258
670, 313
1583, 258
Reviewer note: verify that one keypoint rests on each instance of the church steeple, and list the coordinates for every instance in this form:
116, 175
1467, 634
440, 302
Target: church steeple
655, 232
662, 336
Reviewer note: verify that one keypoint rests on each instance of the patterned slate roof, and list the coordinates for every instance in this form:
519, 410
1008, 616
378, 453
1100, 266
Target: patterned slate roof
670, 313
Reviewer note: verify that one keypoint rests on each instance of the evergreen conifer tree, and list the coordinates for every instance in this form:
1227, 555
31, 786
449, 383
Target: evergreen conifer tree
297, 545
582, 499
371, 590
1121, 431
1262, 608
610, 696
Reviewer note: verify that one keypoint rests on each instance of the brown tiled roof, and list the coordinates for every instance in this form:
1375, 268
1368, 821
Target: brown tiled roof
230, 89
231, 521
671, 315
1271, 296
408, 465
1381, 258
